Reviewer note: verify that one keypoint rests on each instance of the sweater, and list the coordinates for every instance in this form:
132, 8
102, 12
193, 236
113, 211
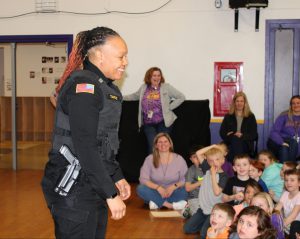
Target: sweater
170, 97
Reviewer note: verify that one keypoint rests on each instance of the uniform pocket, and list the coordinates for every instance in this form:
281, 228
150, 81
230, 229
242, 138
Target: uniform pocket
69, 221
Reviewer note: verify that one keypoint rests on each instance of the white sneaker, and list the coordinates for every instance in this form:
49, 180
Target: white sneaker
179, 205
152, 205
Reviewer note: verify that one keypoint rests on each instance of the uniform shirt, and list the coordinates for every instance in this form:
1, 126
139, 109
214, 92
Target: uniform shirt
83, 110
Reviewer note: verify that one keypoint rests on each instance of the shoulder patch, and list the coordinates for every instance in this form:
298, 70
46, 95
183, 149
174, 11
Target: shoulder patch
85, 88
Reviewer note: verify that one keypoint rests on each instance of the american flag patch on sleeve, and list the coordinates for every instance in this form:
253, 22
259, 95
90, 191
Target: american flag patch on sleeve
85, 88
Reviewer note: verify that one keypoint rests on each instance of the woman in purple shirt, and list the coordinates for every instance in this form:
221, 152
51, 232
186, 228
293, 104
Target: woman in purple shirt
157, 100
162, 176
285, 134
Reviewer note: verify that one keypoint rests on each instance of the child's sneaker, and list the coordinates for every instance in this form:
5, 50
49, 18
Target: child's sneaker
186, 212
152, 205
179, 205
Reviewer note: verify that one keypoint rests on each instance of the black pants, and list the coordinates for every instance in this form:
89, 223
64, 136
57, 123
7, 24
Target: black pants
81, 215
77, 223
237, 146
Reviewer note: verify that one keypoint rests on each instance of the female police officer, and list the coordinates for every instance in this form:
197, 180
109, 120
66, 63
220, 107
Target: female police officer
86, 121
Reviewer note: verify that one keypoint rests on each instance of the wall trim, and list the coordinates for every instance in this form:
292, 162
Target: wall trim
220, 121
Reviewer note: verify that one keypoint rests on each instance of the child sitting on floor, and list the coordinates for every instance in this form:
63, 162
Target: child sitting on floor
252, 223
286, 166
221, 218
271, 174
256, 170
290, 202
210, 192
264, 201
235, 186
193, 181
250, 190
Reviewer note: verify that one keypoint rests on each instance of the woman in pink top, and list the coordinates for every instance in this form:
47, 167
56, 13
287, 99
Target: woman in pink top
162, 176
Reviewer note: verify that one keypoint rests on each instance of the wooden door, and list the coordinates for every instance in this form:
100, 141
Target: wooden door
228, 81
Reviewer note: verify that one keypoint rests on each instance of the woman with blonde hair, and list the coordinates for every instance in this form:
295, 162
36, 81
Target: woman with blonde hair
239, 128
162, 176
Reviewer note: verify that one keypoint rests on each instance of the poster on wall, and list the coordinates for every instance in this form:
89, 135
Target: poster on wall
39, 68
228, 78
51, 73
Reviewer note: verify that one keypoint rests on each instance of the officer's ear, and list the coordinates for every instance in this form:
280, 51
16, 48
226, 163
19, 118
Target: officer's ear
99, 54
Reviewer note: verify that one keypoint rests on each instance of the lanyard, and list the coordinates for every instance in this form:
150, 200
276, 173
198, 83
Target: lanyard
296, 125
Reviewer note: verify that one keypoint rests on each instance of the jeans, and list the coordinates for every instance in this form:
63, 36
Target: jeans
284, 153
149, 194
198, 222
151, 130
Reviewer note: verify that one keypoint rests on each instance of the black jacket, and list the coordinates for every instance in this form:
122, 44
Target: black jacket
248, 128
91, 109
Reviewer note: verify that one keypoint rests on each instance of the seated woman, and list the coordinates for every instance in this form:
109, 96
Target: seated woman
284, 136
162, 176
157, 100
239, 129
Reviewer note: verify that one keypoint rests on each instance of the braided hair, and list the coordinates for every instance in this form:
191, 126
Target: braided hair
84, 41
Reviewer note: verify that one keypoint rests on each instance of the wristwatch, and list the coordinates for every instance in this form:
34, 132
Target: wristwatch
113, 196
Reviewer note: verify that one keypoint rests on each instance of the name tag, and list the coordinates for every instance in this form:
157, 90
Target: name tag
113, 97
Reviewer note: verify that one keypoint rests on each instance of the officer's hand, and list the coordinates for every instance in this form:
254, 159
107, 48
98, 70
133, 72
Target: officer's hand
117, 207
124, 189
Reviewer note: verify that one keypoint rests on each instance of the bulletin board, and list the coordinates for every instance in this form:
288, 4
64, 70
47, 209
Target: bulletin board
39, 67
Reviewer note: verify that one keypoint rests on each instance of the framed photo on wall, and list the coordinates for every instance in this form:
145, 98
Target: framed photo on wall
228, 77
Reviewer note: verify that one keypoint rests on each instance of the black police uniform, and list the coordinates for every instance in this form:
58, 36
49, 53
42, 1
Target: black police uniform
87, 120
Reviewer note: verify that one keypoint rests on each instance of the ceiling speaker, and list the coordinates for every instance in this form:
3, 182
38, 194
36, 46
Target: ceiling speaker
247, 3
